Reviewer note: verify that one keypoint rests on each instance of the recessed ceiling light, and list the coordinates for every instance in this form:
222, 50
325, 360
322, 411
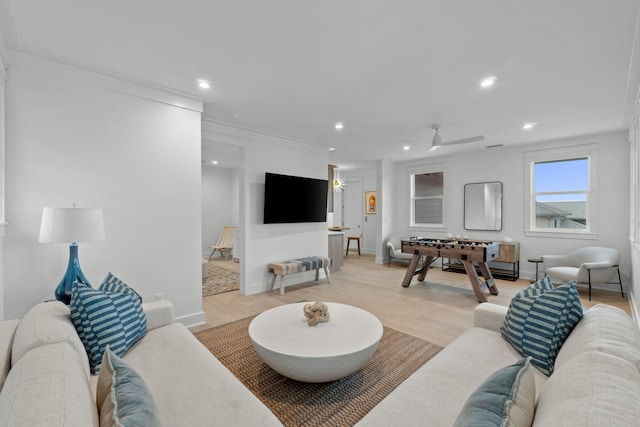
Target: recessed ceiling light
214, 162
488, 82
528, 126
339, 126
332, 148
203, 84
406, 148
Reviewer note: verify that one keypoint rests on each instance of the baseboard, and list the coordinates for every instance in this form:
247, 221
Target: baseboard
193, 319
634, 308
256, 288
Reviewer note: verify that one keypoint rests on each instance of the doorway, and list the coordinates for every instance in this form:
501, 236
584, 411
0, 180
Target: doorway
220, 208
352, 206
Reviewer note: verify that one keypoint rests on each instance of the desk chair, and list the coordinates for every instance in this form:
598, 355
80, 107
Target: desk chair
349, 239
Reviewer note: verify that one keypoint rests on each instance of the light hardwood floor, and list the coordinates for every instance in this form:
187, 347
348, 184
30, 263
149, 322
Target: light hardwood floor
437, 310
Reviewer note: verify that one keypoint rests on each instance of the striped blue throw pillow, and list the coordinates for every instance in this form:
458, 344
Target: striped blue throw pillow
539, 320
111, 283
104, 318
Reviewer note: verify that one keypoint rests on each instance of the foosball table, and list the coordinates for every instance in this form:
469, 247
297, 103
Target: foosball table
469, 252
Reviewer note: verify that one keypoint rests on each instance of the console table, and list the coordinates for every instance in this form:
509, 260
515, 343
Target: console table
508, 253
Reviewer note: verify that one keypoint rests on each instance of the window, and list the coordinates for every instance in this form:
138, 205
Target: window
561, 193
427, 199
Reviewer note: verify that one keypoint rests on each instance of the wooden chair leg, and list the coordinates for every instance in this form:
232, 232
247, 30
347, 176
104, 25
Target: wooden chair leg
347, 251
282, 285
273, 281
358, 246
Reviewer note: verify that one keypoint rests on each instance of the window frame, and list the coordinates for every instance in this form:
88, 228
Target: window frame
590, 152
420, 170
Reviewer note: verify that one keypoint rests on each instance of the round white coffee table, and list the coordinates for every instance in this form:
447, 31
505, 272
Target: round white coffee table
315, 354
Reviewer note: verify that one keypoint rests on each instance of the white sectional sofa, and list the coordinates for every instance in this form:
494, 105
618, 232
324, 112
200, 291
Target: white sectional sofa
596, 381
47, 382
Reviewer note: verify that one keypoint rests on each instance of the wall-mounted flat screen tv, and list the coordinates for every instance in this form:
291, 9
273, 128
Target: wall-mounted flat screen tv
289, 199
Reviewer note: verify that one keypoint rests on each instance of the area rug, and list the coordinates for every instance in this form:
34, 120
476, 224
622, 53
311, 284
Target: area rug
339, 403
219, 279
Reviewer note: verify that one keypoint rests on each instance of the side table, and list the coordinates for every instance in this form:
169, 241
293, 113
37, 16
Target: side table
537, 261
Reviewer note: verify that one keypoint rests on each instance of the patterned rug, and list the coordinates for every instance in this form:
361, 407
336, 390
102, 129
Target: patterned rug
339, 403
220, 280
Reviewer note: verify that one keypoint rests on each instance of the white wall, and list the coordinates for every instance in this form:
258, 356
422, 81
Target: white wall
506, 165
3, 227
220, 194
75, 137
265, 243
634, 220
384, 218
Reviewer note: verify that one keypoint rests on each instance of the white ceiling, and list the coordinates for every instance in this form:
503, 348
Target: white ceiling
388, 69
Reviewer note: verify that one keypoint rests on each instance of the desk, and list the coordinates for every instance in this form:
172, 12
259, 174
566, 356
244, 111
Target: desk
467, 252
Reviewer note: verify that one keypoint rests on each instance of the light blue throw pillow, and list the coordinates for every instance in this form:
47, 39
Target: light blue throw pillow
122, 396
104, 318
506, 398
539, 320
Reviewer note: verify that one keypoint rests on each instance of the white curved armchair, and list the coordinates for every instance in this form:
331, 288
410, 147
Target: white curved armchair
591, 264
394, 245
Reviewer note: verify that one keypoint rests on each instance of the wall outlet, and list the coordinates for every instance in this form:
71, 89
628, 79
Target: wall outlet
159, 297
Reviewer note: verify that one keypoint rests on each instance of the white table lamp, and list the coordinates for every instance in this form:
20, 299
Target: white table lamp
71, 225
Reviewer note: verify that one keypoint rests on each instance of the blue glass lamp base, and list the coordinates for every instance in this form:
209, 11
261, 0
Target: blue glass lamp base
73, 274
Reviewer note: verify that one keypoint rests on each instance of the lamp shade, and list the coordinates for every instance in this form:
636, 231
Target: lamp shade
68, 225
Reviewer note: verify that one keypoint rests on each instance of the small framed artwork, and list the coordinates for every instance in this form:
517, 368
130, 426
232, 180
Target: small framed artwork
370, 202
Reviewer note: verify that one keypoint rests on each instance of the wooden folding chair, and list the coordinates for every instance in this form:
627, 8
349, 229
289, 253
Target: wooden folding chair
225, 242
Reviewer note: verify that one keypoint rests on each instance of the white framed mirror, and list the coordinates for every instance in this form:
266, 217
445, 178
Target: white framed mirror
483, 206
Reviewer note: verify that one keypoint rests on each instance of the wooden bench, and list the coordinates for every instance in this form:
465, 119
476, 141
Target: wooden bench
298, 265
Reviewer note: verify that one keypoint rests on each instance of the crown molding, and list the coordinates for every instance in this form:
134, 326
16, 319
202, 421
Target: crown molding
122, 85
215, 131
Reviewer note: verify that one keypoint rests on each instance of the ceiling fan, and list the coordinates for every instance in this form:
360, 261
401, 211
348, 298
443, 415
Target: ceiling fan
437, 139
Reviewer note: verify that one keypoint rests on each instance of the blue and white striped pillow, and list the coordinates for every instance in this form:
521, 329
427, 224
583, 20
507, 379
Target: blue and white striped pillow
112, 283
106, 318
539, 320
